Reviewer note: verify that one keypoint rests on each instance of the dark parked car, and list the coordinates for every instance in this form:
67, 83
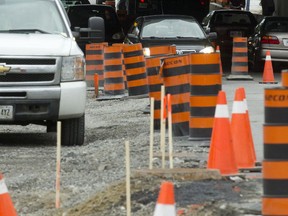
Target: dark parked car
183, 31
271, 34
79, 15
229, 23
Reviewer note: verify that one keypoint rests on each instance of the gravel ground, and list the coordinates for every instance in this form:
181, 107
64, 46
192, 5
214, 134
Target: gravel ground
93, 175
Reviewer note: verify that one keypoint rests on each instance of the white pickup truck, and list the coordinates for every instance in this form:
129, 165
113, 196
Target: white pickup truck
42, 69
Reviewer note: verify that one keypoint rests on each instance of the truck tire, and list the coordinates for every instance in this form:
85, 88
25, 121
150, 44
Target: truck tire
72, 131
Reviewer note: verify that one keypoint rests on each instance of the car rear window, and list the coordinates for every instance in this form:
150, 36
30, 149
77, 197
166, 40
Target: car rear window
277, 26
172, 28
232, 18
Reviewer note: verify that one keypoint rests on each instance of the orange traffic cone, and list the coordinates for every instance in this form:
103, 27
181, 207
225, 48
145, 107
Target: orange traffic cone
268, 74
6, 205
240, 135
166, 203
220, 62
221, 154
251, 142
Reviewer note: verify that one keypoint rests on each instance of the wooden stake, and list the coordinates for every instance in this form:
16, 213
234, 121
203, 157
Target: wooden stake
151, 132
162, 127
169, 103
128, 200
58, 167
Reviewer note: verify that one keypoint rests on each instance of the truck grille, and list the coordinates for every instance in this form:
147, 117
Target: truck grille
27, 71
28, 61
27, 77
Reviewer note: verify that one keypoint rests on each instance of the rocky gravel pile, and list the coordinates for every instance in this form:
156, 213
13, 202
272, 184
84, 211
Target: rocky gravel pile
93, 175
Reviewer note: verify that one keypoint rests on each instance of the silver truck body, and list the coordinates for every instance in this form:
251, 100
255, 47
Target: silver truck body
42, 69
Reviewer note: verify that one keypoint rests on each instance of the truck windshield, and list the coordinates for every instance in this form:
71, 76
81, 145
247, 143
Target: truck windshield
31, 16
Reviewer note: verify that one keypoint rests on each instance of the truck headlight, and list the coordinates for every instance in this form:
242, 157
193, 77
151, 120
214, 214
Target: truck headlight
208, 49
73, 68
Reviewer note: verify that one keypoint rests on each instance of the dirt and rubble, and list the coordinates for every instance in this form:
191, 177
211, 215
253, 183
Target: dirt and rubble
93, 175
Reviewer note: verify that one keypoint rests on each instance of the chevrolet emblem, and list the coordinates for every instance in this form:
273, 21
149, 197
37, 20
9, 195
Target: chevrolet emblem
4, 69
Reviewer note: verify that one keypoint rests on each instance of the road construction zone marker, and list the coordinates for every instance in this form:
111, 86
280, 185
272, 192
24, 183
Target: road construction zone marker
58, 165
176, 75
94, 63
113, 71
275, 163
6, 204
135, 66
239, 68
205, 83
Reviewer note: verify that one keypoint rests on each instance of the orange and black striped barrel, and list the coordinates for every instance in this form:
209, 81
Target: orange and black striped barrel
176, 73
135, 66
205, 83
94, 63
123, 63
113, 73
160, 50
276, 105
155, 81
239, 56
275, 163
275, 187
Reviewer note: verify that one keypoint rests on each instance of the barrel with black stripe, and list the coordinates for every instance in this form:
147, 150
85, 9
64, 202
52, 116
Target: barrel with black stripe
275, 163
113, 71
239, 68
176, 74
155, 81
275, 141
135, 66
205, 83
95, 63
275, 187
276, 105
123, 63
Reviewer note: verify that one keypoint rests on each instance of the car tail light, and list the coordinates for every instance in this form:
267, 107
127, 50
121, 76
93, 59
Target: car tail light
202, 2
269, 40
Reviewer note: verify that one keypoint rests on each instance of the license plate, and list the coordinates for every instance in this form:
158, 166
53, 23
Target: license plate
6, 112
235, 34
285, 42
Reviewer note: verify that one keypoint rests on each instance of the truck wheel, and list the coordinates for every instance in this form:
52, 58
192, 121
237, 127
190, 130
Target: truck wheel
72, 132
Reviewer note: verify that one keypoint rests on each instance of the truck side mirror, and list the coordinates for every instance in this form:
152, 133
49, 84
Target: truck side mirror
96, 28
